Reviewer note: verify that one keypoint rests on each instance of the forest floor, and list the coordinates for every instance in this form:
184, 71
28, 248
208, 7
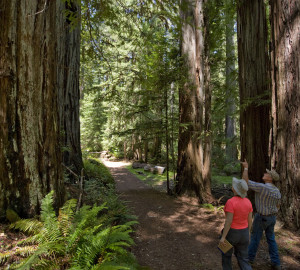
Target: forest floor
178, 234
174, 233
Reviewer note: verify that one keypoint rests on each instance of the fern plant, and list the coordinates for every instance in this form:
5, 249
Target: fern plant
74, 240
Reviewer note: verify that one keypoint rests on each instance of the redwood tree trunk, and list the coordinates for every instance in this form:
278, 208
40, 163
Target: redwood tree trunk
69, 92
231, 85
285, 143
193, 170
30, 84
254, 84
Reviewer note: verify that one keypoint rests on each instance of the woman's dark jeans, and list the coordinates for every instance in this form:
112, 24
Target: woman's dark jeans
240, 240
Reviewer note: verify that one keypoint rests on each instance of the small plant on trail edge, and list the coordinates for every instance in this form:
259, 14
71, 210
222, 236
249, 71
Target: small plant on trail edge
208, 206
73, 240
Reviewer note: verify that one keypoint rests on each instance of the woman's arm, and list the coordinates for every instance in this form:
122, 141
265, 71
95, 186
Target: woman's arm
228, 221
250, 221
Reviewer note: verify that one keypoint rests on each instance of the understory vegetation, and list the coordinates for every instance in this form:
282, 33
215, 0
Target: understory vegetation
218, 178
95, 236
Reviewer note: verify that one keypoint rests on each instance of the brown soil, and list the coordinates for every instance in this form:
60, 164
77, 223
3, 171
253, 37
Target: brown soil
177, 234
174, 233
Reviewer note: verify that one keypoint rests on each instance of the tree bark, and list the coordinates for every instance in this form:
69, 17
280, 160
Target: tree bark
146, 149
231, 85
140, 148
30, 154
125, 150
193, 170
69, 93
254, 84
285, 139
156, 148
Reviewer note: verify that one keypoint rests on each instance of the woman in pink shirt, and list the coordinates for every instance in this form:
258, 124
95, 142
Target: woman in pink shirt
238, 221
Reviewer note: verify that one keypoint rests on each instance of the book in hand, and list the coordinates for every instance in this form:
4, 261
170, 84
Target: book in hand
226, 246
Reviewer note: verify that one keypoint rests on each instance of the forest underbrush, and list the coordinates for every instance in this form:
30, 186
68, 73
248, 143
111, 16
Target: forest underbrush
113, 213
97, 234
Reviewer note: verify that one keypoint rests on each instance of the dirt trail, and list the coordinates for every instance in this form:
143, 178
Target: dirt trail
175, 233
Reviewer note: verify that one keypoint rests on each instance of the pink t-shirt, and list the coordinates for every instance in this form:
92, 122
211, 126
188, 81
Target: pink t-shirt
240, 207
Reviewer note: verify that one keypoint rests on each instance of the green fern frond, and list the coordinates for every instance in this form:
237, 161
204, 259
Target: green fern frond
107, 243
51, 230
25, 251
50, 236
66, 216
89, 214
46, 264
122, 261
43, 250
74, 238
47, 210
84, 220
34, 239
111, 265
4, 257
30, 226
90, 246
121, 234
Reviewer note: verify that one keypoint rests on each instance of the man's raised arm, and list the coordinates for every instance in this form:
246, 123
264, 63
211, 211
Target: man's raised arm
245, 171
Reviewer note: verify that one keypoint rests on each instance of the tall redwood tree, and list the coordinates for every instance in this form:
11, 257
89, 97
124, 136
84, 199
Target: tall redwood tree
231, 83
194, 145
254, 85
68, 51
285, 143
32, 61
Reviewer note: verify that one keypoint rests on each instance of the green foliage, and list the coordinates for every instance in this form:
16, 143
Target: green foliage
221, 179
117, 153
150, 178
93, 118
4, 257
95, 169
208, 206
74, 240
232, 168
224, 77
130, 58
100, 188
132, 70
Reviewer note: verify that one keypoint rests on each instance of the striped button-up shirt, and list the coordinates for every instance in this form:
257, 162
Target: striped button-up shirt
267, 197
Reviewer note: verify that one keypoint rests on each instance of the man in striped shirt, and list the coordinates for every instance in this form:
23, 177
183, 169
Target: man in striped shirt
267, 200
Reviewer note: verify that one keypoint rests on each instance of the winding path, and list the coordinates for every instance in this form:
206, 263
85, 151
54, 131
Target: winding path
174, 233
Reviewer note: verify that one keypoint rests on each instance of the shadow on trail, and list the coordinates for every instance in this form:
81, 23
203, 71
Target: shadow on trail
175, 233
171, 234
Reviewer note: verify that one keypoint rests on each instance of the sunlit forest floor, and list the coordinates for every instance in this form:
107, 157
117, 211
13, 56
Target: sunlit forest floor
177, 234
174, 233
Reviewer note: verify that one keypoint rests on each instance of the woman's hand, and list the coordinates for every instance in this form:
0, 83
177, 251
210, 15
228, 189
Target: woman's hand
222, 243
222, 240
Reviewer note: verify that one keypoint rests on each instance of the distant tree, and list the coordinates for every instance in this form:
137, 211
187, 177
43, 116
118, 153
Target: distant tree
285, 139
231, 83
254, 85
32, 60
193, 169
218, 80
133, 59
